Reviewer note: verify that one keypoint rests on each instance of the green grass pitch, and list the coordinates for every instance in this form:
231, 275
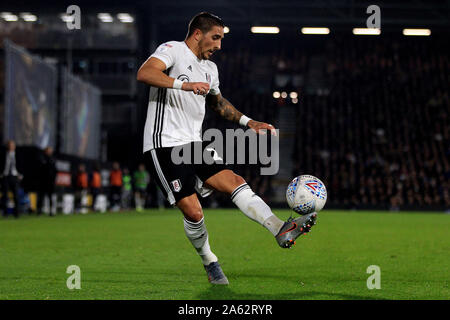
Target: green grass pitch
131, 255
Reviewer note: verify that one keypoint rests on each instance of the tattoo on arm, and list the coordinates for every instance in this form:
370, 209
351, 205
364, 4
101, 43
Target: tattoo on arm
226, 110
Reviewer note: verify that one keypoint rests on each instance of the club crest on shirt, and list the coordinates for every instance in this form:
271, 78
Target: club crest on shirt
176, 185
208, 78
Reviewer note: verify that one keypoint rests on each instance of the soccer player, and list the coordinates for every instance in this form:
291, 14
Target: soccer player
183, 81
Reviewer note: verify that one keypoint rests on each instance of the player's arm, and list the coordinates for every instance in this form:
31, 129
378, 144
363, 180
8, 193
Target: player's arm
152, 73
227, 111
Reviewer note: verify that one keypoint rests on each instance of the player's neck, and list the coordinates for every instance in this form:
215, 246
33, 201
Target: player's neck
193, 46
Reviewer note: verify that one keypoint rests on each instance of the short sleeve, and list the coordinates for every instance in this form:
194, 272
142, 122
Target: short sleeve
215, 83
166, 53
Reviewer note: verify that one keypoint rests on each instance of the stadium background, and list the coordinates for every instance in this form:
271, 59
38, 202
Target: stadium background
369, 117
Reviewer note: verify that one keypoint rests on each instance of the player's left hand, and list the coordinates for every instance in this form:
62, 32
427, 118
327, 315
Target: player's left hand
261, 127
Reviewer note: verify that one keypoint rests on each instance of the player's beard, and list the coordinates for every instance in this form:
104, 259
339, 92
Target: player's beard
205, 53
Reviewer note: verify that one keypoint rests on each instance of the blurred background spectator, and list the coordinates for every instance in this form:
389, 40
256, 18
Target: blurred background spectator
141, 180
115, 186
11, 166
127, 189
81, 189
96, 184
47, 172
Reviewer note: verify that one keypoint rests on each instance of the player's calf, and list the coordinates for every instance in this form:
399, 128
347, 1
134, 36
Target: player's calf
255, 208
195, 228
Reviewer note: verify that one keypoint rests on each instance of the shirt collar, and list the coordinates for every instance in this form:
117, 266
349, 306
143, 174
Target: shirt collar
192, 53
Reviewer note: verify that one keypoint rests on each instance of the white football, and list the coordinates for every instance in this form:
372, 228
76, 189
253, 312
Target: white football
306, 194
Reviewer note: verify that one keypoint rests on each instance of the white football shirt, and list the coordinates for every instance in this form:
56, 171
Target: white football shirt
175, 117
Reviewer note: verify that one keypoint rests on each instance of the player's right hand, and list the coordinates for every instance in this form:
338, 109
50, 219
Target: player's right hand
200, 88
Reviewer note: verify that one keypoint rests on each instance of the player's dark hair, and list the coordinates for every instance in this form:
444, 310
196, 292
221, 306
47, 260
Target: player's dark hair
204, 21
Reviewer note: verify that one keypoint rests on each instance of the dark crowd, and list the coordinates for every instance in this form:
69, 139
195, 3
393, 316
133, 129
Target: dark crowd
380, 137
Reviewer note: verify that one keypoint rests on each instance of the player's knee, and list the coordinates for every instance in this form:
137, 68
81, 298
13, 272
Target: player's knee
238, 180
193, 213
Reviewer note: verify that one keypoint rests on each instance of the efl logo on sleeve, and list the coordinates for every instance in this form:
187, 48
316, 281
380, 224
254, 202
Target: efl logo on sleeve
164, 47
